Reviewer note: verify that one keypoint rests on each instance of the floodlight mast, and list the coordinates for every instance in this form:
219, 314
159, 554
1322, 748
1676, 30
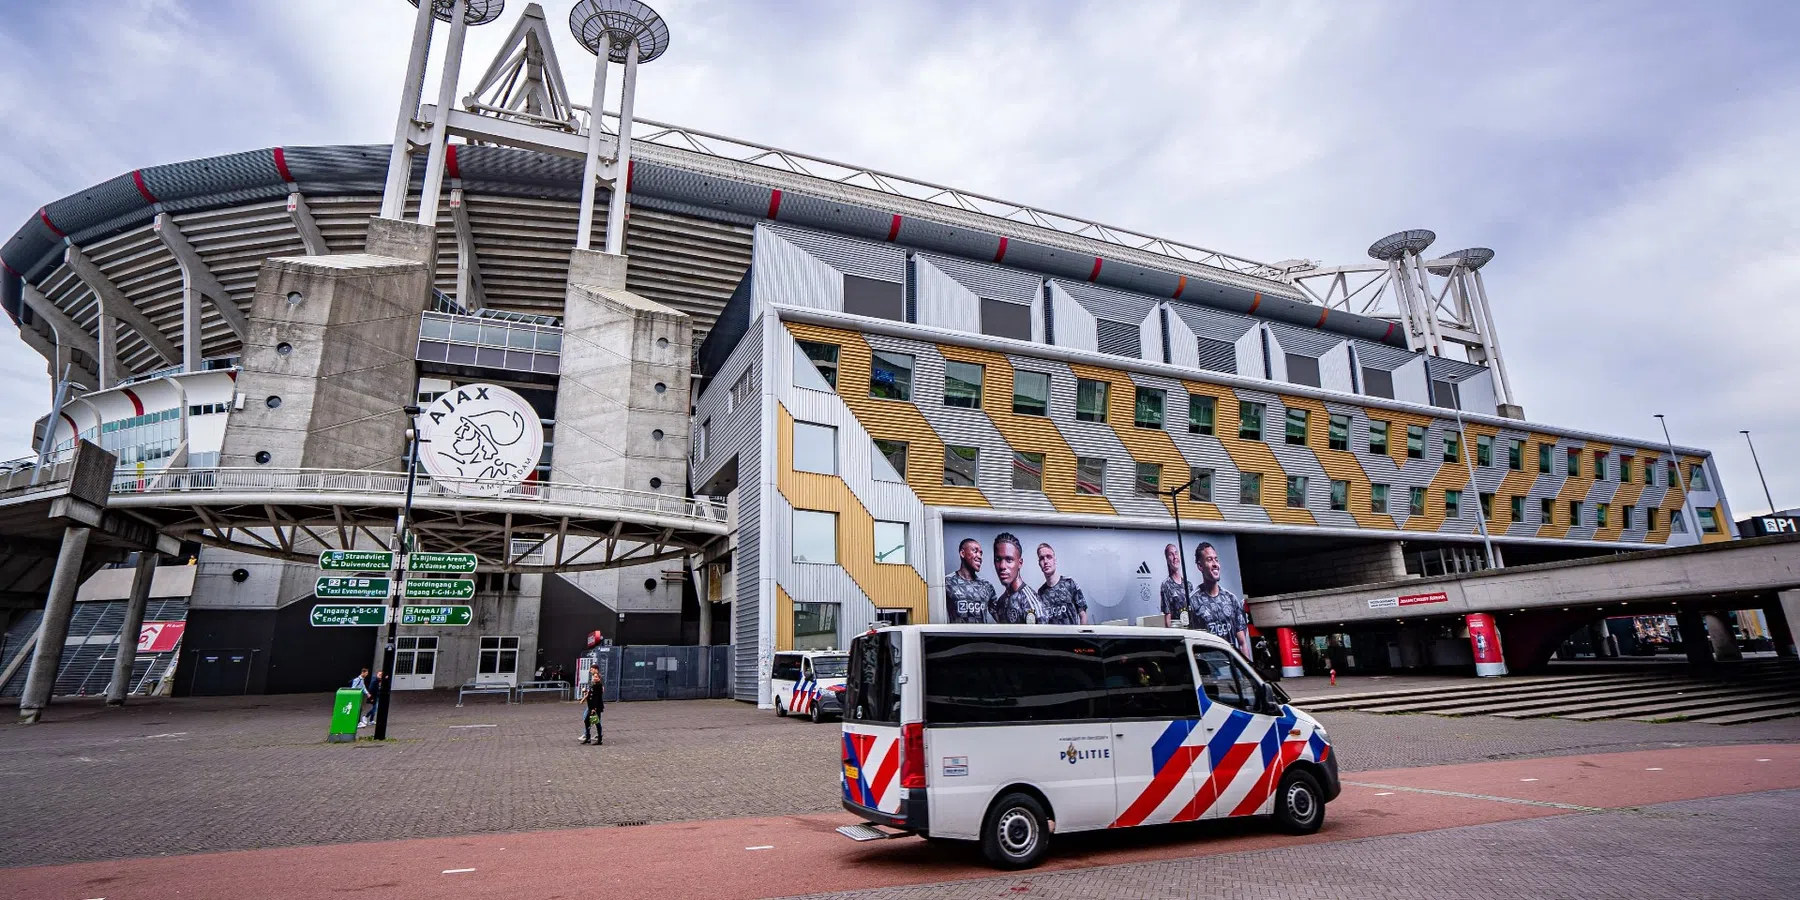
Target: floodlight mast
628, 32
460, 14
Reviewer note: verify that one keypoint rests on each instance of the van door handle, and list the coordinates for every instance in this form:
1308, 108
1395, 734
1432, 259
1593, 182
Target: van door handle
1118, 735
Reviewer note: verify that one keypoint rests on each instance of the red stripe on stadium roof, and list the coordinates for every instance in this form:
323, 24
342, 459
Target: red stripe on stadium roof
281, 166
1255, 302
774, 203
894, 229
1322, 314
1389, 333
1000, 254
44, 216
137, 178
1096, 273
8, 268
1180, 285
630, 173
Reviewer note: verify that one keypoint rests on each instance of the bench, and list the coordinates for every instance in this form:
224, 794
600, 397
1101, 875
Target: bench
485, 687
559, 688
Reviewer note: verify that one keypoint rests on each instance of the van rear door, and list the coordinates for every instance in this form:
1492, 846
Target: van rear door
1155, 710
872, 728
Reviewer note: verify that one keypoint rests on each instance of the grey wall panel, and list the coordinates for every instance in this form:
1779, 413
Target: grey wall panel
1334, 370
1075, 326
1184, 347
1277, 359
1410, 384
882, 262
1477, 393
1107, 303
1249, 354
942, 301
785, 274
1305, 341
987, 280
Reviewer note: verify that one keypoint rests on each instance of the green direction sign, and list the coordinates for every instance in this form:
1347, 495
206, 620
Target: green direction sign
439, 589
332, 587
349, 614
453, 563
356, 560
436, 615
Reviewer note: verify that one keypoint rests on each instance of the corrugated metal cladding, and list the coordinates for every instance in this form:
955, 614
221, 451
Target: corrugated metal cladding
1304, 341
1452, 369
1105, 303
1217, 356
989, 281
882, 262
1118, 338
1382, 357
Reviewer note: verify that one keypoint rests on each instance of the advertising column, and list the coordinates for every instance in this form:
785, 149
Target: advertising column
1291, 665
1485, 638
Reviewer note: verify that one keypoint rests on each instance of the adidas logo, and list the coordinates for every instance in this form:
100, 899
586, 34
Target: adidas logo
1143, 568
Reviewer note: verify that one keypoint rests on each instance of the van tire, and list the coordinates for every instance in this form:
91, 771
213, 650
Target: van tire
780, 713
1299, 804
1016, 832
816, 715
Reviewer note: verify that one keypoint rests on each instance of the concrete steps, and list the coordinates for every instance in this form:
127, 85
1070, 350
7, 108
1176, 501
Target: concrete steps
1366, 701
1745, 718
1734, 706
1623, 700
1651, 711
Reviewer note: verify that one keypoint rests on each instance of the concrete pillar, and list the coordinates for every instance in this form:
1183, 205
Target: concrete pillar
1288, 642
1597, 635
1484, 638
1694, 641
705, 620
134, 623
1718, 631
1784, 622
40, 679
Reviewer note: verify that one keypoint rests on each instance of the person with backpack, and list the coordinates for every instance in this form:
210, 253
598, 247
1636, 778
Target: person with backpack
364, 684
596, 705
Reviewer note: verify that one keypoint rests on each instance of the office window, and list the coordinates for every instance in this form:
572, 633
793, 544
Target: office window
1599, 465
1200, 485
1415, 501
1453, 504
960, 465
1147, 411
1677, 522
1602, 512
1302, 370
743, 391
890, 542
962, 384
1250, 488
894, 454
1544, 459
1028, 471
1487, 506
1296, 426
1031, 393
1574, 513
1378, 382
1090, 475
1697, 481
1484, 450
1627, 513
1415, 442
1518, 509
1200, 414
1547, 510
1296, 493
816, 366
815, 448
1250, 420
815, 536
875, 298
1709, 520
1649, 518
1574, 457
1649, 472
890, 375
1090, 400
1378, 498
1340, 495
1625, 471
1008, 320
1378, 435
1674, 474
1149, 478
1338, 434
1515, 455
1452, 447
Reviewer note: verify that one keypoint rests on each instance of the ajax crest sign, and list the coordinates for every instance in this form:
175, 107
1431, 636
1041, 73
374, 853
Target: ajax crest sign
480, 440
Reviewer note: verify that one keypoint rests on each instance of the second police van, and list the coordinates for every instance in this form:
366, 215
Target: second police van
1001, 733
808, 683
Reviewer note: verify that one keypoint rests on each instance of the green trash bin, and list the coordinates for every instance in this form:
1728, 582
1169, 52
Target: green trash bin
346, 711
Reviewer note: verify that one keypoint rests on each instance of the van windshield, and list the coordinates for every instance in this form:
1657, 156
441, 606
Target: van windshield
830, 666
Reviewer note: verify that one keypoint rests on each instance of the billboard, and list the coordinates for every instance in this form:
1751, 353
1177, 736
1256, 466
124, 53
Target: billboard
1063, 575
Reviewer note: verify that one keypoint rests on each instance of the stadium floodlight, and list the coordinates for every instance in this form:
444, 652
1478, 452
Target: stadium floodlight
460, 14
1400, 243
621, 31
1469, 260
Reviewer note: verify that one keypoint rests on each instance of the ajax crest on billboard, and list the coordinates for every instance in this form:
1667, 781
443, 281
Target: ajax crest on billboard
480, 439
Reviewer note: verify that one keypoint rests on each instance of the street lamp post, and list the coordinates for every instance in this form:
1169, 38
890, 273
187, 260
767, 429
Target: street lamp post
1180, 547
1680, 480
1759, 472
1480, 516
401, 523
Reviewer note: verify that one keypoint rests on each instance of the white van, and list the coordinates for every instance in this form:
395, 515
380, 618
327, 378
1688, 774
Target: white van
999, 733
809, 682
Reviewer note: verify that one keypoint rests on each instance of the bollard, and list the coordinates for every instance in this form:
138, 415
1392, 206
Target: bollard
1334, 677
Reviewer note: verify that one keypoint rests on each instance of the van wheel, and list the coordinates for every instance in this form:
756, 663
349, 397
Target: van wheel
816, 715
779, 712
1016, 832
1299, 804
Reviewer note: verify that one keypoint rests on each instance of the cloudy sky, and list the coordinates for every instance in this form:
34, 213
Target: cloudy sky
1633, 163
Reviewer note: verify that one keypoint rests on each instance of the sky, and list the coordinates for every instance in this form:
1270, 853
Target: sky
1632, 164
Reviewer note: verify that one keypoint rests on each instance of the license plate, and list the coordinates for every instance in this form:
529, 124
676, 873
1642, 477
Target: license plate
850, 772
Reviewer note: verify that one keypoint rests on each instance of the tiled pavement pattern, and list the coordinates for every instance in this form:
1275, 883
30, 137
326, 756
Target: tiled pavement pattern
1738, 847
175, 776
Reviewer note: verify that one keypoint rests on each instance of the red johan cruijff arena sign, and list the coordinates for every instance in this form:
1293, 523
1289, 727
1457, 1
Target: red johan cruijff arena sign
160, 637
1408, 600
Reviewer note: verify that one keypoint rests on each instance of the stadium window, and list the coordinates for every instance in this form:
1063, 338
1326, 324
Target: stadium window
1200, 485
815, 536
1487, 506
1452, 447
890, 542
1515, 455
1149, 478
742, 392
1031, 393
1028, 471
1147, 411
1008, 320
1574, 513
1378, 382
1518, 509
1649, 518
1200, 414
1673, 473
1697, 479
960, 464
1602, 512
1544, 459
1378, 436
1415, 442
1625, 471
1302, 370
1296, 492
1415, 501
815, 448
1547, 510
1709, 520
816, 364
1296, 426
1090, 400
1338, 434
1090, 475
1677, 522
1250, 488
1453, 504
1627, 513
894, 452
1599, 465
1649, 472
1340, 495
962, 384
874, 298
1378, 498
1250, 420
1574, 457
890, 375
1484, 450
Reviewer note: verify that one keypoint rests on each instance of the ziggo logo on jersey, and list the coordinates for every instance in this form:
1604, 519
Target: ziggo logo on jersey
1075, 754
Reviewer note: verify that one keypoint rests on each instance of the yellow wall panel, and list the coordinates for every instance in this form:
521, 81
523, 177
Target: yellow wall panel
784, 620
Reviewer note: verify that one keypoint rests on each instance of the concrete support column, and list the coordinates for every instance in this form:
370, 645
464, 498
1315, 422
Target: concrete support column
1694, 641
1718, 631
1484, 638
120, 686
705, 622
1288, 641
40, 679
1784, 622
1597, 635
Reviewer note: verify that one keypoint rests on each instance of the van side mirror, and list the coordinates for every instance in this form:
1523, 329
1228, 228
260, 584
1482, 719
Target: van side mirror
1262, 696
1279, 693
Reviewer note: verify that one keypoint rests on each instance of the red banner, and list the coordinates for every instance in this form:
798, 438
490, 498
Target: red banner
160, 637
1485, 639
1290, 648
1434, 597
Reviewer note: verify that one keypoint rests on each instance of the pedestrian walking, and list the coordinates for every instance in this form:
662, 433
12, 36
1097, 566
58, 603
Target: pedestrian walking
375, 686
362, 683
596, 705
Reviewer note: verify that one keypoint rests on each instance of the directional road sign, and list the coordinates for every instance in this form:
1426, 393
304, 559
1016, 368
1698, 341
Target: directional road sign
439, 589
436, 615
454, 563
356, 560
332, 587
348, 614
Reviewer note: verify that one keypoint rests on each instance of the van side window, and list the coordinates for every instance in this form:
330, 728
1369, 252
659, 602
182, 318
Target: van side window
806, 668
1149, 678
985, 680
872, 683
787, 668
1223, 680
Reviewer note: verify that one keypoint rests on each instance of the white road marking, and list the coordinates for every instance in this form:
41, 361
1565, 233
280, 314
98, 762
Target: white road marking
1654, 769
1528, 779
761, 847
457, 871
1467, 796
474, 726
1385, 794
1762, 759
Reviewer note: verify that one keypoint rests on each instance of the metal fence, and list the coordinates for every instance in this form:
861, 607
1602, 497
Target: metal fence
656, 672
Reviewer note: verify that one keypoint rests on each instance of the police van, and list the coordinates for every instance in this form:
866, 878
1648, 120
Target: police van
808, 683
999, 733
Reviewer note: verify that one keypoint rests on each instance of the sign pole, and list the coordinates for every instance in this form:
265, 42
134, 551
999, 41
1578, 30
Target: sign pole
393, 623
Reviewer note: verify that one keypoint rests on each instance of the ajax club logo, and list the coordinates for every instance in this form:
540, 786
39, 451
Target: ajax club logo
480, 439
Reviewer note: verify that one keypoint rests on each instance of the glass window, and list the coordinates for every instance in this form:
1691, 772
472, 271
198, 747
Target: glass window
815, 448
1625, 471
1515, 455
1090, 475
1296, 426
1649, 471
1250, 420
742, 392
1674, 475
1416, 501
1200, 485
816, 365
894, 454
1547, 510
815, 626
1453, 504
1484, 450
1340, 495
1008, 320
890, 375
1224, 680
815, 536
1090, 400
1574, 457
1149, 478
1626, 513
498, 656
962, 384
890, 542
1574, 513
1602, 511
1487, 506
1031, 393
1697, 481
1296, 491
1339, 435
1250, 488
1415, 442
1518, 508
1452, 447
1147, 412
1001, 678
1028, 471
1200, 414
1709, 520
960, 465
872, 687
1378, 436
1378, 498
1649, 518
1599, 465
1677, 522
1149, 678
1544, 458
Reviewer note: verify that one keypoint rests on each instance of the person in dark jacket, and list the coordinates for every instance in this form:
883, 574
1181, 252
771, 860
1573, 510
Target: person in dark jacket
596, 705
